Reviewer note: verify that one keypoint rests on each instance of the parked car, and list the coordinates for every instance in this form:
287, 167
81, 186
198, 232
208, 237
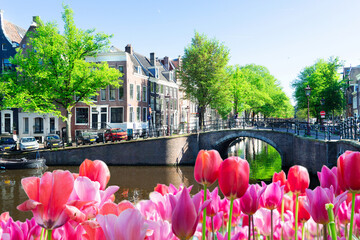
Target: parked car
28, 144
7, 144
115, 134
53, 141
86, 138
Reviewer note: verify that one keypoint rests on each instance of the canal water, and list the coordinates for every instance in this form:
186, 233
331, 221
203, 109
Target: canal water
136, 182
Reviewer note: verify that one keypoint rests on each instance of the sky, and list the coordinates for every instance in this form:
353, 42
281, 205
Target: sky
284, 36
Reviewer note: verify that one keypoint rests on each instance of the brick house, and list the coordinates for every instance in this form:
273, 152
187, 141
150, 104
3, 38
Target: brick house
10, 38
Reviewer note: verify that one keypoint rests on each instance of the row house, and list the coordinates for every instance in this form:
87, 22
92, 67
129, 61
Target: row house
352, 94
10, 38
146, 99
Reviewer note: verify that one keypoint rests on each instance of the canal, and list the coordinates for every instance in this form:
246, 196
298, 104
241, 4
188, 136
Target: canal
136, 182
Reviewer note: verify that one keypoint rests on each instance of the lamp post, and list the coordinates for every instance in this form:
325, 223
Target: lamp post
322, 102
167, 97
307, 93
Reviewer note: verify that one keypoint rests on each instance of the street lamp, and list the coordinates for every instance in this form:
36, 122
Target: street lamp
167, 97
307, 93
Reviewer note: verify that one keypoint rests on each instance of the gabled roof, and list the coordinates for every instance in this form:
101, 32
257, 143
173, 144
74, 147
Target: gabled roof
13, 32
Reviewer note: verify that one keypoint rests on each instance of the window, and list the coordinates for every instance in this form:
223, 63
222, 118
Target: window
112, 93
82, 116
121, 69
93, 98
103, 94
52, 125
26, 125
131, 109
162, 89
39, 125
138, 69
156, 73
138, 97
151, 87
121, 92
171, 76
157, 88
144, 114
131, 91
117, 115
138, 114
144, 94
6, 65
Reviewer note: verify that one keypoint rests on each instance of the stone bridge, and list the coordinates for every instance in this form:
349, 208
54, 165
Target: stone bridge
183, 149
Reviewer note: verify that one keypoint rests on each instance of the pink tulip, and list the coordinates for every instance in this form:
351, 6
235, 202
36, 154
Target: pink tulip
162, 189
316, 200
163, 205
262, 219
329, 178
272, 196
93, 231
19, 230
288, 204
213, 208
130, 224
47, 197
207, 165
185, 216
234, 177
112, 208
95, 170
249, 202
344, 213
217, 220
160, 230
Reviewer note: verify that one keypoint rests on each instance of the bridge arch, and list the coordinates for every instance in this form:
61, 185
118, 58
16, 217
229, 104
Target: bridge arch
223, 143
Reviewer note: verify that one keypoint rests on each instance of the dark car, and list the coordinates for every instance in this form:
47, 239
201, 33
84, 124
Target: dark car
115, 134
53, 141
7, 144
86, 138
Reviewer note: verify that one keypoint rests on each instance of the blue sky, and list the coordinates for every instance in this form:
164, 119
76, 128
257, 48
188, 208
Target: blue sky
284, 36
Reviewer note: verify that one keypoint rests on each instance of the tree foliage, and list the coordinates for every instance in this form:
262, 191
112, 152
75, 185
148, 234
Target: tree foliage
203, 73
52, 74
324, 80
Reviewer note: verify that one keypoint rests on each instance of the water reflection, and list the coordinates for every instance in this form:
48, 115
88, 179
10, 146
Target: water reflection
135, 183
263, 159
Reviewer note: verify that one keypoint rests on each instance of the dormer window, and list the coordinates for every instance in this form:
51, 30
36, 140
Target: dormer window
138, 69
171, 76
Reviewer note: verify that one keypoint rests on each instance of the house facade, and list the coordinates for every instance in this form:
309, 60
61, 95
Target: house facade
352, 92
10, 38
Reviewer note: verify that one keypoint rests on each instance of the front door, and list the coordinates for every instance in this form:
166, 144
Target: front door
103, 120
7, 123
95, 121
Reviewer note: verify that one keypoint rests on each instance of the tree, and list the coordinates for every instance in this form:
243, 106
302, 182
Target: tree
203, 73
324, 79
52, 74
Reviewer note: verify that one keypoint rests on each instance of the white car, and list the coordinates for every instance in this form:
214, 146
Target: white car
28, 144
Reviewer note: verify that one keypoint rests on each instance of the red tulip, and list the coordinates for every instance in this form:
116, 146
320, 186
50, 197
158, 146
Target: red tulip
234, 177
47, 197
95, 170
280, 176
348, 171
207, 167
162, 189
304, 215
298, 179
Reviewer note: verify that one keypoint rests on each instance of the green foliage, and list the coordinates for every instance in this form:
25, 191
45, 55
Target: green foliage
254, 89
203, 75
52, 73
324, 80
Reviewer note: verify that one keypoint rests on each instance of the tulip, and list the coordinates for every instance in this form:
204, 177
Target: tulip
348, 170
233, 181
95, 170
206, 172
298, 181
328, 178
47, 197
162, 189
185, 216
304, 215
249, 202
213, 208
281, 176
130, 224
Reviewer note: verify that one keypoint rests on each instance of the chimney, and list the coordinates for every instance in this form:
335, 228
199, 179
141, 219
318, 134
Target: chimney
166, 63
129, 49
152, 59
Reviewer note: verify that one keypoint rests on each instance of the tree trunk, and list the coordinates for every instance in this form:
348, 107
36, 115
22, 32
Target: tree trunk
201, 117
68, 125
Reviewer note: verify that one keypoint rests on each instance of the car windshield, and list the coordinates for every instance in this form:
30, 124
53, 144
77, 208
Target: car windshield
24, 140
52, 137
117, 130
7, 141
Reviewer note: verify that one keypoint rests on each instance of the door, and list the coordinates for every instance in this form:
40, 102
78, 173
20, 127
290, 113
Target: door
95, 121
7, 123
103, 120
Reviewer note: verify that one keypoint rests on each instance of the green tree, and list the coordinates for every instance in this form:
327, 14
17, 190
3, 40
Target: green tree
203, 73
324, 80
52, 74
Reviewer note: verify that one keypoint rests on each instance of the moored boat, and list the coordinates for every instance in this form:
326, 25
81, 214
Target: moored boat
22, 163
